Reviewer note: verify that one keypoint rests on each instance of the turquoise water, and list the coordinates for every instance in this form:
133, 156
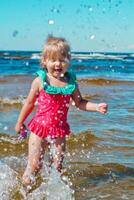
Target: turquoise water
109, 65
101, 148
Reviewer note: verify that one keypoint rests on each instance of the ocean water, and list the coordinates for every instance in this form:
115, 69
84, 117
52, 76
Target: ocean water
99, 162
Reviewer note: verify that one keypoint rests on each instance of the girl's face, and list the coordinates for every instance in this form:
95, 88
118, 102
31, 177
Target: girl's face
57, 67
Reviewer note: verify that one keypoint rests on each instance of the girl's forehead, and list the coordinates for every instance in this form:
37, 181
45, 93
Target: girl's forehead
56, 55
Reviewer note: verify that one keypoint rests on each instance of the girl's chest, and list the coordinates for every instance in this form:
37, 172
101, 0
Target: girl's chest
46, 98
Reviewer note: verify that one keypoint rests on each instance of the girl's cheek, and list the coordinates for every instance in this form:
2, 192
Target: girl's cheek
66, 68
49, 67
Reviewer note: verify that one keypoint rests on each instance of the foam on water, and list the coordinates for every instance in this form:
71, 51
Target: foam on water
8, 181
53, 186
57, 189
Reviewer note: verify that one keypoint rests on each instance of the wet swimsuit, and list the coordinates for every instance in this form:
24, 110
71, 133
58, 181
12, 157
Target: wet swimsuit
50, 119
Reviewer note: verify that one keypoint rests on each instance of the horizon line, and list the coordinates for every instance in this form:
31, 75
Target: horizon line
71, 51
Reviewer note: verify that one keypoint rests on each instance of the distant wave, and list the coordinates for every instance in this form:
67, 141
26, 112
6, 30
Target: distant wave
35, 56
23, 78
10, 146
103, 81
85, 139
98, 56
12, 102
95, 56
16, 78
21, 55
100, 171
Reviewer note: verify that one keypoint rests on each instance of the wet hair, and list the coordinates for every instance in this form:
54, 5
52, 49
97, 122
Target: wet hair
55, 48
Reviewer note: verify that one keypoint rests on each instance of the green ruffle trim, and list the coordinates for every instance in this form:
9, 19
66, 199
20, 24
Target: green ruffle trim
67, 89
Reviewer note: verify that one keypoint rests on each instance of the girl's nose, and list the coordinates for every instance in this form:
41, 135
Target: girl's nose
57, 63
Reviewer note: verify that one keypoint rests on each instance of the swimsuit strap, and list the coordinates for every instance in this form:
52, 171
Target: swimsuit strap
68, 89
42, 74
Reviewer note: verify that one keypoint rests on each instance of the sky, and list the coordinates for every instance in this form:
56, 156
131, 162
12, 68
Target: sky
88, 25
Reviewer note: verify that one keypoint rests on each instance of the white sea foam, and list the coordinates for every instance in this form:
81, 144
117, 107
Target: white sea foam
8, 181
53, 187
17, 100
57, 189
35, 56
97, 55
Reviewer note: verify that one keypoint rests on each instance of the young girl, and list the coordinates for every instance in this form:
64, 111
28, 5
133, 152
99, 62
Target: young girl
53, 87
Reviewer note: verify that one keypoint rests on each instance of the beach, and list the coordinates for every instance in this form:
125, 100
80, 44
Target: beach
99, 161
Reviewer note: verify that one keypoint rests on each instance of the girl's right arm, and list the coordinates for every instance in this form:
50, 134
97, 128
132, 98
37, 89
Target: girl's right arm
29, 104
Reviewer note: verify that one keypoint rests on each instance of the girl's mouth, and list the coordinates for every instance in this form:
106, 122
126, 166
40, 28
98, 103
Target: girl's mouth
58, 70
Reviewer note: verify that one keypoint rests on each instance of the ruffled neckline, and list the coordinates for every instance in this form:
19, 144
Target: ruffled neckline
67, 89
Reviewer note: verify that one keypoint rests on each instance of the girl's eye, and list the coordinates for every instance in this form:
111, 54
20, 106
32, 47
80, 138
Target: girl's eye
59, 61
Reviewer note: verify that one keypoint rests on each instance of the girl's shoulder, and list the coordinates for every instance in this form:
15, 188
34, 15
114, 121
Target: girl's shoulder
41, 73
37, 83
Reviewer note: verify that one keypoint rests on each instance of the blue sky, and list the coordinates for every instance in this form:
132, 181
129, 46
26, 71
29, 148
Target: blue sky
88, 25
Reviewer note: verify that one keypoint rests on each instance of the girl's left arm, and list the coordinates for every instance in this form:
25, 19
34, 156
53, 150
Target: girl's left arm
84, 104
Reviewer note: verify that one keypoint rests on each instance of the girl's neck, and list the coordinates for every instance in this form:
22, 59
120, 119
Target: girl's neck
50, 76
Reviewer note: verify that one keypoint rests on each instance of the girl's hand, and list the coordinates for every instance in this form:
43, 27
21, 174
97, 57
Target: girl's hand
102, 108
18, 127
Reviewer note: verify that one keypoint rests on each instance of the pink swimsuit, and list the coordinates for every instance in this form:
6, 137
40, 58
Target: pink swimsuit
50, 119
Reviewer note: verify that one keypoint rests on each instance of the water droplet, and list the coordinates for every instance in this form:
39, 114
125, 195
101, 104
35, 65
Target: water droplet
90, 9
68, 154
51, 22
79, 60
29, 187
15, 33
73, 103
92, 37
5, 128
62, 75
5, 149
27, 63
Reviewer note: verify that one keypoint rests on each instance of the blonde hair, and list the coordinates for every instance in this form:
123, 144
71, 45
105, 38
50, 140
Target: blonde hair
55, 48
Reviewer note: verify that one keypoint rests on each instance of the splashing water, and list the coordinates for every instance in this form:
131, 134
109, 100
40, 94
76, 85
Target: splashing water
54, 189
57, 189
8, 181
53, 186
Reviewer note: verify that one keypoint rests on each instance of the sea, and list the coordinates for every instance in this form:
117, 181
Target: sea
99, 160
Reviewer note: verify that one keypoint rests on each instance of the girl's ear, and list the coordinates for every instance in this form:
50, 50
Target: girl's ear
43, 63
